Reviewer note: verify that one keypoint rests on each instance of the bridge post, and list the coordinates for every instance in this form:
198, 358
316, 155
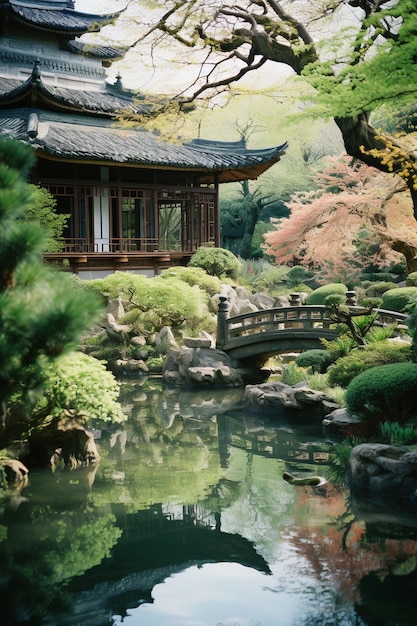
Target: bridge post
222, 315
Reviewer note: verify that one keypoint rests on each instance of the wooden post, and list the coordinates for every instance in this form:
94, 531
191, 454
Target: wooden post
222, 315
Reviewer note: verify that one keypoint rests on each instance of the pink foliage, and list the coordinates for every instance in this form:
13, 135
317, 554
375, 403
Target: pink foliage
324, 223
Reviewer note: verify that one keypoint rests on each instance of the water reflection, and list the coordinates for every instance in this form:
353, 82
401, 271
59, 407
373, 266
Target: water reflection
187, 521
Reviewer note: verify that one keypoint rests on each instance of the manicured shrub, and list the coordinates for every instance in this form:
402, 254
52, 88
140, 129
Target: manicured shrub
319, 295
387, 392
194, 276
377, 289
375, 354
216, 261
411, 280
376, 277
399, 299
318, 360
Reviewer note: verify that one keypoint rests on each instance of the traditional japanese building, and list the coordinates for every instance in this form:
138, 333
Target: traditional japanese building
135, 202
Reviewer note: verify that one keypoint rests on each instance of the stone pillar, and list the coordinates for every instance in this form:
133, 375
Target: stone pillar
351, 298
295, 299
222, 315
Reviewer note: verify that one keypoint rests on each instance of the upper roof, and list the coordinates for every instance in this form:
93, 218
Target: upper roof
34, 92
94, 141
56, 16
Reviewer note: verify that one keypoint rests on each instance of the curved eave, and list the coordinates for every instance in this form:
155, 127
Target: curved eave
102, 53
60, 20
35, 93
204, 176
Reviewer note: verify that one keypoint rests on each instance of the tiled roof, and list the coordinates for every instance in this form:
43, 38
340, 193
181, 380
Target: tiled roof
54, 17
85, 140
106, 102
97, 52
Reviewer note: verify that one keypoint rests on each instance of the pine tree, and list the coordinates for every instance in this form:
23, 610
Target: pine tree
41, 313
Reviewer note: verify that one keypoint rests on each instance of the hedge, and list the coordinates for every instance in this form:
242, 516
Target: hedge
319, 295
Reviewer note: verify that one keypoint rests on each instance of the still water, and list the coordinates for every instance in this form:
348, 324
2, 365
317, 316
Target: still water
187, 521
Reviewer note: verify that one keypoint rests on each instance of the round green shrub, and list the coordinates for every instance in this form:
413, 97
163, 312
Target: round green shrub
411, 280
376, 354
216, 261
319, 295
387, 392
375, 290
318, 360
399, 299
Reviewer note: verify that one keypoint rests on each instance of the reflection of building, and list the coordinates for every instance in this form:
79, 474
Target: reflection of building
135, 202
153, 547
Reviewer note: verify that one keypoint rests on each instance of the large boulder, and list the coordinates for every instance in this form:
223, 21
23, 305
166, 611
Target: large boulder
277, 398
384, 473
197, 364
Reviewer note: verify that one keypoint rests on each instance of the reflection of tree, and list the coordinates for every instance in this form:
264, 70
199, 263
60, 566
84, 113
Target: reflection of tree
340, 557
44, 548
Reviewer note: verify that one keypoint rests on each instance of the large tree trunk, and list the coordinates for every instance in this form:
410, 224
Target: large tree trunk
360, 139
410, 253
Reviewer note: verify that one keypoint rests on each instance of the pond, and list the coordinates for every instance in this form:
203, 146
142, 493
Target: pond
187, 521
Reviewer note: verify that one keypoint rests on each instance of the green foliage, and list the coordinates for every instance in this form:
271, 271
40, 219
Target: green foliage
412, 325
335, 298
298, 274
82, 383
41, 315
411, 280
216, 261
317, 360
338, 470
319, 295
388, 390
155, 364
292, 374
399, 299
42, 210
154, 302
374, 354
341, 346
195, 276
396, 434
376, 290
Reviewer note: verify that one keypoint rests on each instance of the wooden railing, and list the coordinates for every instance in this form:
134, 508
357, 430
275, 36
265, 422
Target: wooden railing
294, 318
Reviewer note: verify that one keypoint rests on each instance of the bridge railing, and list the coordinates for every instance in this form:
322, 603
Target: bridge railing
302, 317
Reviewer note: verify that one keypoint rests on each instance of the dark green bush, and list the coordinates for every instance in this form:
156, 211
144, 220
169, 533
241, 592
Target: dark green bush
399, 299
216, 261
318, 360
377, 277
385, 393
375, 354
319, 295
377, 289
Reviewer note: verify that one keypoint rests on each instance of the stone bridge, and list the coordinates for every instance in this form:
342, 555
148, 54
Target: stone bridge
251, 338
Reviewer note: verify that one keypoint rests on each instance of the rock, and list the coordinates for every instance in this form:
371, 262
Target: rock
116, 308
138, 341
340, 422
281, 301
131, 365
262, 301
120, 331
200, 366
313, 481
15, 471
277, 397
165, 341
382, 472
197, 342
65, 442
